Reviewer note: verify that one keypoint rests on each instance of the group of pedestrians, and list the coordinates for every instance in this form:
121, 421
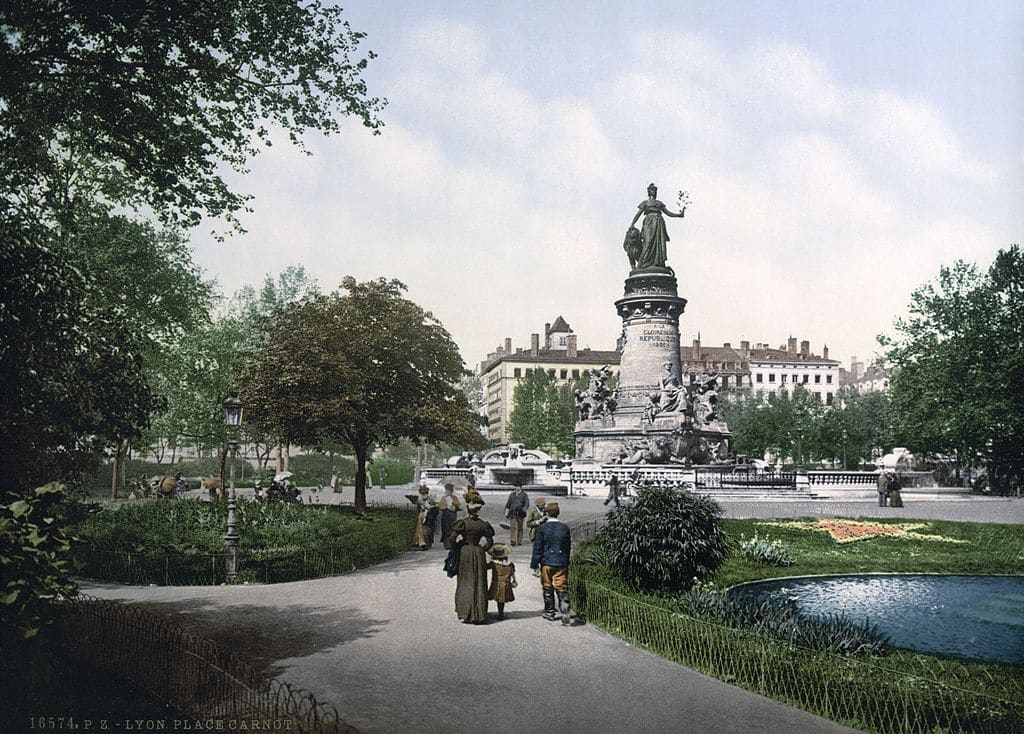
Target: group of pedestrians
470, 541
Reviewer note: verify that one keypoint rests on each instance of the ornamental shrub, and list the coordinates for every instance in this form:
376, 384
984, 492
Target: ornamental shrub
35, 565
666, 540
765, 550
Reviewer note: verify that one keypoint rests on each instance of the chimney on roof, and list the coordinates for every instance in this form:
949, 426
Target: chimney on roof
508, 345
696, 347
824, 352
570, 346
727, 345
534, 344
744, 349
805, 348
792, 345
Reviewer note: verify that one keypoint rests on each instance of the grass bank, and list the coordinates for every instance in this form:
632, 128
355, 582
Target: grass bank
967, 548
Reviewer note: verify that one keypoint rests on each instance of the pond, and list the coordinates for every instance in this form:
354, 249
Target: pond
974, 617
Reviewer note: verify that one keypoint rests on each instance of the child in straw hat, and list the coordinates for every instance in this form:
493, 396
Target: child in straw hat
503, 577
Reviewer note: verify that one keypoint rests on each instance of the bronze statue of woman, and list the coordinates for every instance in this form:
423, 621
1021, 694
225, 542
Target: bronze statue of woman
653, 251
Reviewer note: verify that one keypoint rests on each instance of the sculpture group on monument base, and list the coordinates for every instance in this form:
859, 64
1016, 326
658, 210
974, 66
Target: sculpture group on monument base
696, 403
685, 445
598, 400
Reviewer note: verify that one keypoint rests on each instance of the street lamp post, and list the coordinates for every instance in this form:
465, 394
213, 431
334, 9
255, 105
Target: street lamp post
800, 439
232, 419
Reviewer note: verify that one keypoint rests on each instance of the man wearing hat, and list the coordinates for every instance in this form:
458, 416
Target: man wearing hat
536, 516
515, 513
551, 548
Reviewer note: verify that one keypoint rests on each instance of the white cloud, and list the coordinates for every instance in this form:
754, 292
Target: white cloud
797, 79
447, 43
912, 132
502, 207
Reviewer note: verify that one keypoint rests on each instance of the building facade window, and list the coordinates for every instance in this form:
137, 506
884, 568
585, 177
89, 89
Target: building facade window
828, 379
517, 372
817, 379
806, 378
575, 374
771, 378
760, 377
563, 374
828, 399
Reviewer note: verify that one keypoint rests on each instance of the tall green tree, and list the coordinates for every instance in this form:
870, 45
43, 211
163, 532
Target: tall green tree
71, 373
958, 364
544, 412
364, 366
527, 423
789, 421
148, 102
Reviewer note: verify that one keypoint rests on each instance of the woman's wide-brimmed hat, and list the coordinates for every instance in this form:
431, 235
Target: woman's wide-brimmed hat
473, 499
499, 550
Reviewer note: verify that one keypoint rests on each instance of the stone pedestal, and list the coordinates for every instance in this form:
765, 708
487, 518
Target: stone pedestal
650, 309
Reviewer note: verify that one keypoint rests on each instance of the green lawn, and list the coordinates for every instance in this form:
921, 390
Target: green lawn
986, 549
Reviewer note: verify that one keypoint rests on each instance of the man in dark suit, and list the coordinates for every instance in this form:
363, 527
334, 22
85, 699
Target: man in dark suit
516, 505
551, 549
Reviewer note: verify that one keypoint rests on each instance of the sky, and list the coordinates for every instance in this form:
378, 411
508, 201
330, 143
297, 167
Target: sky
836, 155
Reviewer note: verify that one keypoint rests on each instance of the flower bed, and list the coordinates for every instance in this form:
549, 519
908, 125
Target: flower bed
849, 531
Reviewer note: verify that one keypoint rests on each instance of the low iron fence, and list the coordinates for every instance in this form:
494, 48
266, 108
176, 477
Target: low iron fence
272, 565
744, 478
191, 673
867, 694
944, 696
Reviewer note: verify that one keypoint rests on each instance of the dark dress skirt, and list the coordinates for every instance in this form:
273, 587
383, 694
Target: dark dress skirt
471, 581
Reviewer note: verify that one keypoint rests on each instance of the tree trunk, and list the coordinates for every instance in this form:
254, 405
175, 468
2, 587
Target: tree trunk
117, 470
277, 459
287, 456
360, 500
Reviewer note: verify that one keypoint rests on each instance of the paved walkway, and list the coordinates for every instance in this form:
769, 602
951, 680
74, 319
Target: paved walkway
385, 647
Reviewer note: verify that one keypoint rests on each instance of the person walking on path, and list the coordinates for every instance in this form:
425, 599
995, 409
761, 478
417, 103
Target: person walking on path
535, 517
471, 586
424, 533
883, 488
893, 490
515, 512
613, 490
503, 577
450, 506
551, 550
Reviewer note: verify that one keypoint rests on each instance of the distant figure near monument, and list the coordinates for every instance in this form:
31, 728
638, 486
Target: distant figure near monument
652, 250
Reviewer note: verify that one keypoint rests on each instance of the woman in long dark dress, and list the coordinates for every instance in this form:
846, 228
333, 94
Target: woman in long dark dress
471, 586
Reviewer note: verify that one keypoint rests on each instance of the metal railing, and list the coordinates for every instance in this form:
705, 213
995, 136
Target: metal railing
191, 673
873, 693
273, 565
